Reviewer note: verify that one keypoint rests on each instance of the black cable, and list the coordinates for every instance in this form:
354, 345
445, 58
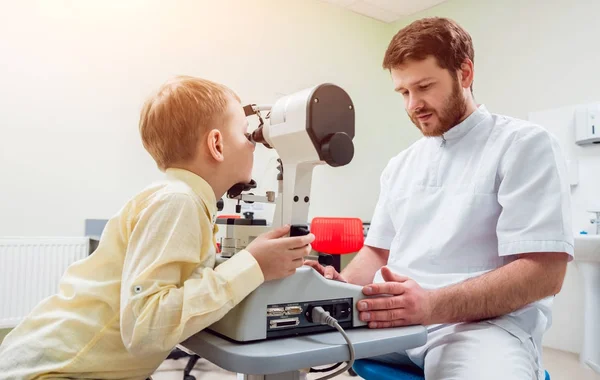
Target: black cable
319, 315
327, 369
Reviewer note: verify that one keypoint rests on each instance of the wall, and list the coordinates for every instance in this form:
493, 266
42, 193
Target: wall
530, 56
75, 74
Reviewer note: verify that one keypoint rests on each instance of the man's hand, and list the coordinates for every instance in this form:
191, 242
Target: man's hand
405, 303
328, 272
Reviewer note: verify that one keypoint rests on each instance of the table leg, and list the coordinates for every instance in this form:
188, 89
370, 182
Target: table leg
294, 375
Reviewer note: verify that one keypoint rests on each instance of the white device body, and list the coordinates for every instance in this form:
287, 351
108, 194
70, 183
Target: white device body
287, 134
250, 320
309, 128
587, 124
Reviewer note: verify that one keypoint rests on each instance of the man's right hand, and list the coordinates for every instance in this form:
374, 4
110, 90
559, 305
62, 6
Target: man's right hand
328, 272
279, 256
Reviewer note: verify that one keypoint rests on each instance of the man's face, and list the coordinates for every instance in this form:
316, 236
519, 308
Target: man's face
433, 98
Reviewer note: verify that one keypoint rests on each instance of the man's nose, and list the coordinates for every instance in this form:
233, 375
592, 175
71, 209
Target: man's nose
414, 102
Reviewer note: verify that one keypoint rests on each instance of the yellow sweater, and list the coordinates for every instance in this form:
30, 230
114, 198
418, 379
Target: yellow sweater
150, 285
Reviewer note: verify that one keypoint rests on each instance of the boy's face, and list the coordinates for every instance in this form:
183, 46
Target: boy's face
239, 151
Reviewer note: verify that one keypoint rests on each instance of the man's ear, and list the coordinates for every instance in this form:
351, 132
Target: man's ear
466, 73
214, 142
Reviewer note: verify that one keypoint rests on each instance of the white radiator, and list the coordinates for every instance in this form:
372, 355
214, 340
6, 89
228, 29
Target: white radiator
30, 269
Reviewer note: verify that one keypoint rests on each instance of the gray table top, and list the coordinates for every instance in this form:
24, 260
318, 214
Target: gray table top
295, 353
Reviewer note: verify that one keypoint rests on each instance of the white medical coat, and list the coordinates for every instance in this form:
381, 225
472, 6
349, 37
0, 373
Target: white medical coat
455, 207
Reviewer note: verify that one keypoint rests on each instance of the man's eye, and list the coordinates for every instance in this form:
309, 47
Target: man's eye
425, 86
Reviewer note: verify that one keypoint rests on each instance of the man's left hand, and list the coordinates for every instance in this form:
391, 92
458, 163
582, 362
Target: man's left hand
405, 303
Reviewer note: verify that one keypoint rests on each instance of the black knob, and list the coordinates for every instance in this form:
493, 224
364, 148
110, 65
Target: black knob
299, 230
220, 204
325, 259
337, 149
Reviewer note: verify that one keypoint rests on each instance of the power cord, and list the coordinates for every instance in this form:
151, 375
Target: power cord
319, 315
328, 369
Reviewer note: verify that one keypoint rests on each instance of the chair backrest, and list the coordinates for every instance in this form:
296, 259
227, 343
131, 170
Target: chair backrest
337, 236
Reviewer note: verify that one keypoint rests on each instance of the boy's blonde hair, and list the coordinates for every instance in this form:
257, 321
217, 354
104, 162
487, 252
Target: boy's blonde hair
173, 119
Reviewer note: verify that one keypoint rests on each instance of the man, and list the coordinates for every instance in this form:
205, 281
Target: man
472, 233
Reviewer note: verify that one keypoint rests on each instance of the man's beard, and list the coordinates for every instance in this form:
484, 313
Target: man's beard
448, 117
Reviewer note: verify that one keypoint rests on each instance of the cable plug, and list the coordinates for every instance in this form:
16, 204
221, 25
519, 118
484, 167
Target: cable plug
322, 317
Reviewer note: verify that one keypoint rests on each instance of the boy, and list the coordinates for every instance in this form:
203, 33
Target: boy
152, 283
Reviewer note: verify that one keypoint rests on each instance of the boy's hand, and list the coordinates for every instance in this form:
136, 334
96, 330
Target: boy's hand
328, 272
279, 256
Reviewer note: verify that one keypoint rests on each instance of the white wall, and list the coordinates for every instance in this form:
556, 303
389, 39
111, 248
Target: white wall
75, 73
536, 55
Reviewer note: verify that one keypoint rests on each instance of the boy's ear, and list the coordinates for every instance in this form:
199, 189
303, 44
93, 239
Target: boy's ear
214, 140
